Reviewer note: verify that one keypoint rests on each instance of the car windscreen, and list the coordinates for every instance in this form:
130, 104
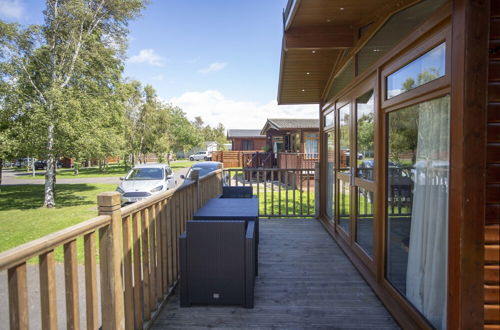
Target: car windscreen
203, 170
145, 174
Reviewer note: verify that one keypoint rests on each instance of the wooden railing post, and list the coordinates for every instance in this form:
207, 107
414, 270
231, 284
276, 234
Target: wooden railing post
18, 297
111, 248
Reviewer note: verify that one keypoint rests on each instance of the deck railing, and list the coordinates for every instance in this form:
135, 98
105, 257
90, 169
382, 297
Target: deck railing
259, 160
297, 160
283, 193
134, 250
231, 158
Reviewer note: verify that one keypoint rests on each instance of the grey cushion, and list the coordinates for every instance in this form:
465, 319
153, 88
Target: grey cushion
237, 192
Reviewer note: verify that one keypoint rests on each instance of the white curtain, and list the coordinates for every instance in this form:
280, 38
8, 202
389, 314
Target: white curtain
426, 277
311, 148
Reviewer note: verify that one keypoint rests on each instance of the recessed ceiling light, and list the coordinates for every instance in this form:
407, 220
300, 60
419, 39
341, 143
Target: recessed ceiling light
342, 8
307, 73
328, 20
314, 52
303, 90
377, 50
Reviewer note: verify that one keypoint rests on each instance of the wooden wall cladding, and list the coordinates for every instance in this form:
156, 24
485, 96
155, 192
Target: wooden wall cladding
492, 221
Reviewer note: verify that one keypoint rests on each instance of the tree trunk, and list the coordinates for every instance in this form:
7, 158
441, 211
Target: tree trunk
1, 169
50, 175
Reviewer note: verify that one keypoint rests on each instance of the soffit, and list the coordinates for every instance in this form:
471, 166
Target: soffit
315, 38
338, 12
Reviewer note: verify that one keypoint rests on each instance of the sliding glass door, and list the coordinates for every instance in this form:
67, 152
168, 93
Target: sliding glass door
364, 180
355, 183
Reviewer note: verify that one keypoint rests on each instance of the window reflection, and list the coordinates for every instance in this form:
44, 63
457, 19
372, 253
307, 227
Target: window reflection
365, 122
330, 140
364, 220
343, 79
344, 205
424, 69
345, 137
417, 206
329, 119
394, 30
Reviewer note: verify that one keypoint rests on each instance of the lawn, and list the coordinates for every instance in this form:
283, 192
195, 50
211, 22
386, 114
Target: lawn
95, 172
23, 219
270, 203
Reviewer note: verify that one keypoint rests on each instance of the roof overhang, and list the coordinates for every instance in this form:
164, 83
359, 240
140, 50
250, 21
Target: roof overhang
267, 126
317, 34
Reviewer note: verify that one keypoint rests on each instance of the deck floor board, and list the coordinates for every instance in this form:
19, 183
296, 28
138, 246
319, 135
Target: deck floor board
305, 281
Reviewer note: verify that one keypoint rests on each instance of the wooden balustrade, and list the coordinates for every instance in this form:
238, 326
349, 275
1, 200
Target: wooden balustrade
283, 193
288, 160
138, 261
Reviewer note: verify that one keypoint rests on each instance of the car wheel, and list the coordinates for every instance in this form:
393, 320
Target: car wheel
205, 158
191, 158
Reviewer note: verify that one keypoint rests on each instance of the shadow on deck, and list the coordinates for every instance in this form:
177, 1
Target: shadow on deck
305, 281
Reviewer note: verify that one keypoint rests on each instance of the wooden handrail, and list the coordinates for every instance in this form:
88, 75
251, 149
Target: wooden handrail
26, 251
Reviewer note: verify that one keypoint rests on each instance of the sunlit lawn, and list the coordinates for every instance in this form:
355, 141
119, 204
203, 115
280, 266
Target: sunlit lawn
23, 219
277, 203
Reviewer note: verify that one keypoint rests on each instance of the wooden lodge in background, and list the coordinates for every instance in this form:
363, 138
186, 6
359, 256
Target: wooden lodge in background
282, 143
246, 139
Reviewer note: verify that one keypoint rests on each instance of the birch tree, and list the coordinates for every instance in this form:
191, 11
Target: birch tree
69, 51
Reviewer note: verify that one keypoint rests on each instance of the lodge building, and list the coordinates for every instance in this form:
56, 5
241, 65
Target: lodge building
415, 87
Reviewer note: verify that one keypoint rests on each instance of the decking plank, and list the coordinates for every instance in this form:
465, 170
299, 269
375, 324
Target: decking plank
305, 281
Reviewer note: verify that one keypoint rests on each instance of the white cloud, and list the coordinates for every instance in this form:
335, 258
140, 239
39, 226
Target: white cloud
214, 108
148, 56
216, 66
12, 9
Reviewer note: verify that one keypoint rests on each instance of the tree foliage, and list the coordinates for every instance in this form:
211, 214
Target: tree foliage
64, 76
208, 133
153, 126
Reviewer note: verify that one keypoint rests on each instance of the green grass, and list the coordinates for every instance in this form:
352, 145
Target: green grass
271, 204
182, 164
23, 219
95, 172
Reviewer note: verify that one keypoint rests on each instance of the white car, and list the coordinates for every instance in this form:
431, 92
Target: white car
201, 155
144, 181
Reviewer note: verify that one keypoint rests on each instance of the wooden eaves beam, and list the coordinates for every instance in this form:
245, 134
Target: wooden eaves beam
319, 37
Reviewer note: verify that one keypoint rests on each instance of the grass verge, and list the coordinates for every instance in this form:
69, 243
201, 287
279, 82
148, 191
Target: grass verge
23, 219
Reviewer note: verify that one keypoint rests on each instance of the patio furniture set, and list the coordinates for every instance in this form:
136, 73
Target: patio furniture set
219, 251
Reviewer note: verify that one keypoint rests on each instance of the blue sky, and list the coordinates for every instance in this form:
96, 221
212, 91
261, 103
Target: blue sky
218, 59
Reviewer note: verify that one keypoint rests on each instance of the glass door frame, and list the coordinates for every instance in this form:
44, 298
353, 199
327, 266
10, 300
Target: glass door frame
369, 83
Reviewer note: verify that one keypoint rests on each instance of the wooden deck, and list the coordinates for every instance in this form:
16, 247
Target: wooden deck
305, 281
